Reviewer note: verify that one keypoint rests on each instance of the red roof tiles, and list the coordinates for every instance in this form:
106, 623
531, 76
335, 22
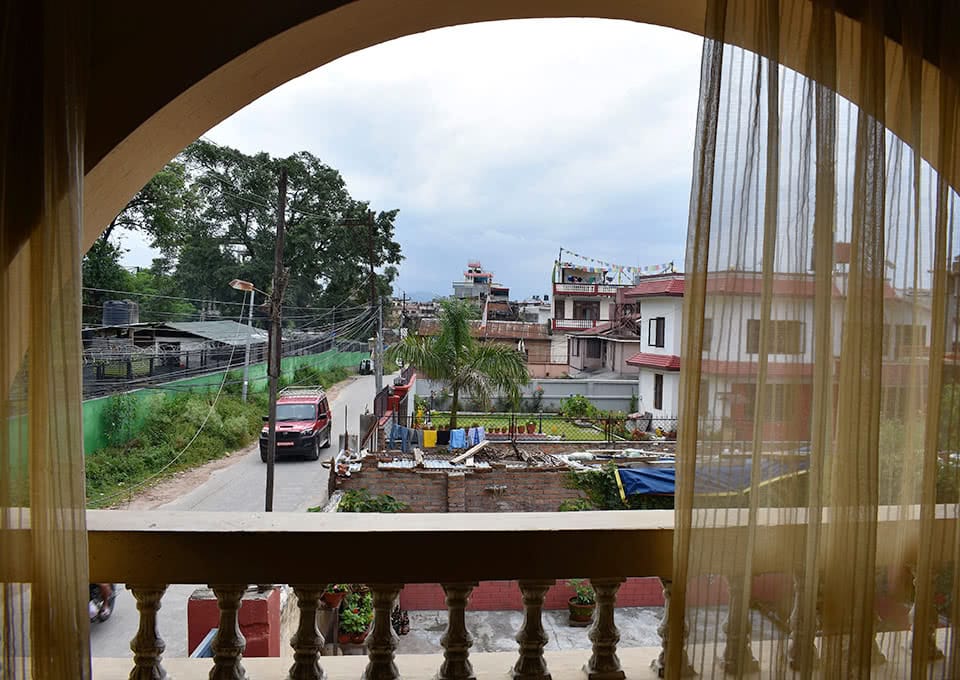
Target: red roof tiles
668, 362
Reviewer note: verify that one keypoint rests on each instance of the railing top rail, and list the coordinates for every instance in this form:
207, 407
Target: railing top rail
224, 547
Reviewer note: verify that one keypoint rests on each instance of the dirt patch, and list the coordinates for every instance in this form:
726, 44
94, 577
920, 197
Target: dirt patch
183, 482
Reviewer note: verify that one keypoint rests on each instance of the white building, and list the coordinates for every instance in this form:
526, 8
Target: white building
732, 348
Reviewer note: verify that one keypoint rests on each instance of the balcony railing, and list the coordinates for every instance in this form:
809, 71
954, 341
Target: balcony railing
153, 549
583, 289
573, 324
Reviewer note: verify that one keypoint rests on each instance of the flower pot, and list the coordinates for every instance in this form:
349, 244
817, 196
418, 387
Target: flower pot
580, 613
345, 638
333, 600
358, 638
531, 428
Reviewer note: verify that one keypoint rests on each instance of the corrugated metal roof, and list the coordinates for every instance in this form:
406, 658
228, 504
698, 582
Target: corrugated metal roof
227, 332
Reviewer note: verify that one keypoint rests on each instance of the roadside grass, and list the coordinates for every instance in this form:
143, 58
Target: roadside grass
171, 439
553, 424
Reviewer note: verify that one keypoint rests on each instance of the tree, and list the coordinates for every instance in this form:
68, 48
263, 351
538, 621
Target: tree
454, 358
102, 270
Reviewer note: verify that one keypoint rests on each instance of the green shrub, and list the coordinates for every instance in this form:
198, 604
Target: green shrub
119, 417
578, 406
574, 505
362, 501
172, 440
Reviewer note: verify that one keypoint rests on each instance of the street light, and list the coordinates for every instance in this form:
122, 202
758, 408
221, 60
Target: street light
239, 284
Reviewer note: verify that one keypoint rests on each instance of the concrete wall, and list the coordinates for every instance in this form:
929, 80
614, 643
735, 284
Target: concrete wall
505, 595
671, 393
609, 395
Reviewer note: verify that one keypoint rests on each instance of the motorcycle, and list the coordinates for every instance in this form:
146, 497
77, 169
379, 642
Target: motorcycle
102, 598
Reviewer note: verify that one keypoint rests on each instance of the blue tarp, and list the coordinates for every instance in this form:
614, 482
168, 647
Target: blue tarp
728, 476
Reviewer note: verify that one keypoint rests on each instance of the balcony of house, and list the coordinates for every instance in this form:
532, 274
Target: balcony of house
573, 324
589, 289
147, 551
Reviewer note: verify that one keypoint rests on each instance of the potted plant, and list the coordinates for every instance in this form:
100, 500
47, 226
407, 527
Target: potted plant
355, 618
334, 594
583, 603
531, 427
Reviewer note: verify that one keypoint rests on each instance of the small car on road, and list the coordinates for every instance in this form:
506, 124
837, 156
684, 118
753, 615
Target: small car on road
304, 423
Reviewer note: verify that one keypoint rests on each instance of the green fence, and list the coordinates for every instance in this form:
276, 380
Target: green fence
93, 426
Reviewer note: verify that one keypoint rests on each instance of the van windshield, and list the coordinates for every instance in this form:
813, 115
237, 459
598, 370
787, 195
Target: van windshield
296, 412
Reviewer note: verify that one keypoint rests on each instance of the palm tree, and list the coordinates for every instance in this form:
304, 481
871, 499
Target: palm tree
456, 360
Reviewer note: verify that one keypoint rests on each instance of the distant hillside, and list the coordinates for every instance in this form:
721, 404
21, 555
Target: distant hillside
423, 295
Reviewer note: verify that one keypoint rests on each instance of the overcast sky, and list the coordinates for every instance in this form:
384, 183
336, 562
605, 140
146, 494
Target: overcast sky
502, 142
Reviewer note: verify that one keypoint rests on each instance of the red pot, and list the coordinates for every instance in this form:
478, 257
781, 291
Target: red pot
580, 613
345, 638
333, 600
358, 638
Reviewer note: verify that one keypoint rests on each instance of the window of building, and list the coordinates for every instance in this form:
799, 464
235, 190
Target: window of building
593, 349
910, 339
658, 391
657, 328
707, 334
783, 337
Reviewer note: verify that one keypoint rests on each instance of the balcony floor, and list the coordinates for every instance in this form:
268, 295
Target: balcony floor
563, 665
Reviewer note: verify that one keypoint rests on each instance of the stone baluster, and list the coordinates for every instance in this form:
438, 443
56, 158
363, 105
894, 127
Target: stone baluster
307, 641
532, 637
799, 646
228, 644
663, 630
382, 641
456, 641
604, 663
934, 653
737, 654
147, 645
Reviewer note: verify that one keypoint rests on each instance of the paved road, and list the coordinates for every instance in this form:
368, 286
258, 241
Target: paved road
298, 484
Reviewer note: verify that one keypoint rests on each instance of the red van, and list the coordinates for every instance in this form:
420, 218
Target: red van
304, 423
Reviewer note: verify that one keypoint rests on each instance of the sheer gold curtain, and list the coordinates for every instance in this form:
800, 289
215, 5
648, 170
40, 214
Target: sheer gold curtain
817, 492
43, 556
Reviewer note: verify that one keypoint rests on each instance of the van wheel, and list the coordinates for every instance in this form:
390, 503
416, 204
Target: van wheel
326, 442
263, 456
315, 451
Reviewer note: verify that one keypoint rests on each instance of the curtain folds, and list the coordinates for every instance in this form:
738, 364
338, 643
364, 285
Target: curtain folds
823, 250
43, 550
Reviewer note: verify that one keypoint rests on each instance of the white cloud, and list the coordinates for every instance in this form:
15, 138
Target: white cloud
503, 141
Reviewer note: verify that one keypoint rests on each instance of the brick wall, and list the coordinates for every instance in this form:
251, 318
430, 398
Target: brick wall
505, 595
477, 490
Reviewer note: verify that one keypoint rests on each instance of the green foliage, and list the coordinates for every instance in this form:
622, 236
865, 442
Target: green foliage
950, 418
362, 501
634, 403
574, 505
357, 614
600, 486
578, 406
455, 359
311, 376
171, 440
119, 417
583, 591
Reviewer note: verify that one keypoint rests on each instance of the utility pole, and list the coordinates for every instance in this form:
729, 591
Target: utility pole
274, 346
378, 350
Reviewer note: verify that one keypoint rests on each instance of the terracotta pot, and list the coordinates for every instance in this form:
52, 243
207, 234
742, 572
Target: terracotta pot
358, 638
531, 428
580, 613
333, 600
345, 638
